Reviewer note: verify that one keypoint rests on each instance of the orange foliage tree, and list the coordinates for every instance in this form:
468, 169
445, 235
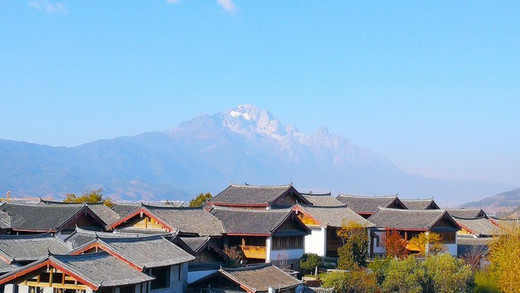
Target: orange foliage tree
394, 244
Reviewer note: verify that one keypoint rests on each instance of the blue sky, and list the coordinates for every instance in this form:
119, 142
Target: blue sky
432, 85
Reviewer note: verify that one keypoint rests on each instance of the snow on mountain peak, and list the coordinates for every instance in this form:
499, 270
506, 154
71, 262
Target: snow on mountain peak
249, 119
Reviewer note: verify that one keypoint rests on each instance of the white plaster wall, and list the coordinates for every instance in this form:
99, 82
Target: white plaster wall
268, 249
23, 289
316, 242
9, 288
286, 254
48, 290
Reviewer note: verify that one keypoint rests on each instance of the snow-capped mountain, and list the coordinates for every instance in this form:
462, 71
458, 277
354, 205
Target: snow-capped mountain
206, 153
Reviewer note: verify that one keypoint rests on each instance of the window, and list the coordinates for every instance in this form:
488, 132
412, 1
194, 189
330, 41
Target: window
287, 242
447, 237
162, 277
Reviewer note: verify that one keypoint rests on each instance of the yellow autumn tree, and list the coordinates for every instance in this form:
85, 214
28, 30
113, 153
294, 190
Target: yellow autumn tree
354, 252
91, 196
426, 243
504, 255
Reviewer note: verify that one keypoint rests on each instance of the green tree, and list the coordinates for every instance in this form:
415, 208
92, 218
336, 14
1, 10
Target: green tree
200, 199
354, 252
404, 276
379, 268
91, 196
485, 282
446, 274
310, 262
359, 281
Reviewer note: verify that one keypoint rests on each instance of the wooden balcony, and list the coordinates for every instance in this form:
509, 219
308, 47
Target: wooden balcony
253, 251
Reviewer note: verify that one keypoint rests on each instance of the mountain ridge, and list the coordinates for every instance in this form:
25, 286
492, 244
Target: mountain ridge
207, 152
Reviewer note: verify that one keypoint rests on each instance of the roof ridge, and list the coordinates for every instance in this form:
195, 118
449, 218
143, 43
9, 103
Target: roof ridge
317, 194
367, 196
417, 199
324, 207
27, 236
248, 267
408, 210
245, 209
260, 186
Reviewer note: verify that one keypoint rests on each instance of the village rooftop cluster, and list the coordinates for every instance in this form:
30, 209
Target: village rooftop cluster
55, 247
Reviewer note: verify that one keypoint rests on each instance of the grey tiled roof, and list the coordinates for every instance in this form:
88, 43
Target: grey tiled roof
5, 267
30, 247
195, 243
324, 200
254, 194
335, 216
5, 220
101, 269
41, 218
125, 209
189, 220
260, 277
420, 204
251, 221
467, 213
148, 252
366, 204
82, 236
471, 241
480, 227
106, 214
408, 219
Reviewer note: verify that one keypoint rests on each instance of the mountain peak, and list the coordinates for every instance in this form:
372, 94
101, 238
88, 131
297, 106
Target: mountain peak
246, 112
249, 119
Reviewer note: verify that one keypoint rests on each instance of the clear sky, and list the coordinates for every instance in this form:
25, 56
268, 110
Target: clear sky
432, 85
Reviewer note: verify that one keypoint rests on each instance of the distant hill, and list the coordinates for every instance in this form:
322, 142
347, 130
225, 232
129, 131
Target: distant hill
503, 203
206, 153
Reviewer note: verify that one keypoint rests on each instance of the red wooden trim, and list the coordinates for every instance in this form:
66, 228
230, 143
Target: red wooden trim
26, 271
497, 224
466, 228
83, 249
138, 212
2, 257
365, 213
78, 278
301, 210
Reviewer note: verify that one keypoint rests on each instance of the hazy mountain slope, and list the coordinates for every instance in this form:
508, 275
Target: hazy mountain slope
502, 202
208, 152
